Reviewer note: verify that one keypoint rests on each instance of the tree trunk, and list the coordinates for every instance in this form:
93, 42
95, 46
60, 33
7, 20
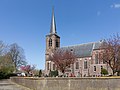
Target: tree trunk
114, 72
63, 71
118, 73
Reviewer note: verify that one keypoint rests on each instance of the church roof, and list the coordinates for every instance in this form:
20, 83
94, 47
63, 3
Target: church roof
83, 50
53, 24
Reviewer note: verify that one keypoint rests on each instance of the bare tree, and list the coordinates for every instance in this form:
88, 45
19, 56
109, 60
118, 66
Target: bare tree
17, 56
63, 59
2, 47
6, 64
110, 52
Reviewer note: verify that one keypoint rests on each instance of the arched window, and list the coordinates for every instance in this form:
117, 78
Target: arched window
50, 42
77, 65
57, 43
96, 58
48, 65
85, 64
94, 68
53, 66
101, 67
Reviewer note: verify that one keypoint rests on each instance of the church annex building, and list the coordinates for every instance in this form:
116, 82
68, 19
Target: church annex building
87, 63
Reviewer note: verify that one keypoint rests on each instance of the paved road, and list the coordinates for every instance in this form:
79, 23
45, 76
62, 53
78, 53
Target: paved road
8, 85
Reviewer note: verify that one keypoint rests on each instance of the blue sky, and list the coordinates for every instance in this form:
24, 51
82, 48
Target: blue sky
27, 22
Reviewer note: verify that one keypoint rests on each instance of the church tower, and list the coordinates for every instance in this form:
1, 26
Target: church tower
52, 43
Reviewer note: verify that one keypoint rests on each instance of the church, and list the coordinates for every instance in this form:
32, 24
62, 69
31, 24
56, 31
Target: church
87, 63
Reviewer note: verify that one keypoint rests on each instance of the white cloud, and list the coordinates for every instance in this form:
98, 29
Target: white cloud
116, 5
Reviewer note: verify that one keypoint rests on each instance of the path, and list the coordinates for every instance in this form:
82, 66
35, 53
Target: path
6, 84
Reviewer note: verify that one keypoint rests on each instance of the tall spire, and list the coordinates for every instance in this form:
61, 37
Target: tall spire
53, 24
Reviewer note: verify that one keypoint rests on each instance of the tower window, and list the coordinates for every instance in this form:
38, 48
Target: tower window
57, 43
50, 42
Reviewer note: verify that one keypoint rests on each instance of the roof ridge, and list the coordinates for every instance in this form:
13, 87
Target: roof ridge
80, 44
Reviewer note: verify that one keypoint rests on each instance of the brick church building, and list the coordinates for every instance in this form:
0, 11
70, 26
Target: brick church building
87, 63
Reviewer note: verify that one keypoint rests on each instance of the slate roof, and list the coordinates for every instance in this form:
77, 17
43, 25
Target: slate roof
83, 50
53, 24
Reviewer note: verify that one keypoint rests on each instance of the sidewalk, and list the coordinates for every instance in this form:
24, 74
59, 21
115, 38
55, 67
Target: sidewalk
6, 84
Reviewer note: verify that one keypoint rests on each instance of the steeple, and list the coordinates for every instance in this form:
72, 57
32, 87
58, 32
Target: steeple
52, 44
53, 24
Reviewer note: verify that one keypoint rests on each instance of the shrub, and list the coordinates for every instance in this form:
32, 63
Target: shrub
40, 73
53, 73
104, 71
